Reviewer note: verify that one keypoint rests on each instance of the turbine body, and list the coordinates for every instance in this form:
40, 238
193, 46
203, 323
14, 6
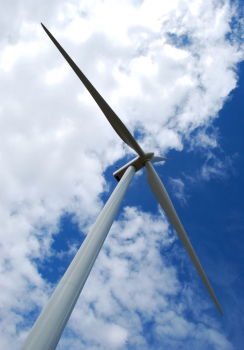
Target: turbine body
48, 328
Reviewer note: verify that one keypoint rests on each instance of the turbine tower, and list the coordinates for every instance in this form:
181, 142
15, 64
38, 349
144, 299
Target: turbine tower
48, 328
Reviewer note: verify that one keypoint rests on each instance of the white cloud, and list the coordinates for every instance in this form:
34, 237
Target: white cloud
55, 144
215, 167
178, 189
204, 138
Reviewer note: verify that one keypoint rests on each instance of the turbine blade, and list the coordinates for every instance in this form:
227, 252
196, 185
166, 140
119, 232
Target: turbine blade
157, 159
113, 119
162, 196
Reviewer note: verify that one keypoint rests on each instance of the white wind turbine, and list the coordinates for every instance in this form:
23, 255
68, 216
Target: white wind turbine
47, 330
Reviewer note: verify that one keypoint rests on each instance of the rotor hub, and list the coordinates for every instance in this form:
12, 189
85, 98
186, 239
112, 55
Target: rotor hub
137, 163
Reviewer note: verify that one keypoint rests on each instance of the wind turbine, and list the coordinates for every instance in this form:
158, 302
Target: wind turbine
48, 328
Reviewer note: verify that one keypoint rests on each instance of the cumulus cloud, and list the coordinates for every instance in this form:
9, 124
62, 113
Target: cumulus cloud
166, 69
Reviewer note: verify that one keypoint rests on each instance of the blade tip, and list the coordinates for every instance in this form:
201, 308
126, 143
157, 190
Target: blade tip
218, 306
43, 27
220, 311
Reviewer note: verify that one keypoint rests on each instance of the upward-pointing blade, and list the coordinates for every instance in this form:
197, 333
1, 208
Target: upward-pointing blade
162, 196
113, 119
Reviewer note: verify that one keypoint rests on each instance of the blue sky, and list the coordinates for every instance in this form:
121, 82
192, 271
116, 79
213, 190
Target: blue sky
173, 73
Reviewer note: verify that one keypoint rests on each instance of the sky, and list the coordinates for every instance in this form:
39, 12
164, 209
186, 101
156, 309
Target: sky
173, 73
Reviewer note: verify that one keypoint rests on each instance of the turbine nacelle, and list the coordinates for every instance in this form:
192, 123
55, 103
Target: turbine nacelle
138, 163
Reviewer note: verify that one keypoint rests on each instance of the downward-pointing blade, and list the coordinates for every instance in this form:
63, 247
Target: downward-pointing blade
113, 119
162, 196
